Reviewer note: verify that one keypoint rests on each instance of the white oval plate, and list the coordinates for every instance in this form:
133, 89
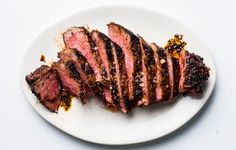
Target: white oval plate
94, 123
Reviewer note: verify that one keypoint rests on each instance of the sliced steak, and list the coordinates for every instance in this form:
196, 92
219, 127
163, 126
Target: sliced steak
165, 83
158, 78
80, 39
121, 77
105, 52
87, 74
45, 85
132, 52
70, 79
174, 47
171, 73
149, 73
193, 72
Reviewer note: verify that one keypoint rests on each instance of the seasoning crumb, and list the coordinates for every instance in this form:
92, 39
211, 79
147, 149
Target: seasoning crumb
163, 61
42, 58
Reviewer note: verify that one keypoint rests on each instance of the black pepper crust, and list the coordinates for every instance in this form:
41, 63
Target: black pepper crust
95, 53
113, 83
38, 77
97, 87
137, 57
74, 73
150, 64
176, 72
34, 76
165, 84
195, 72
123, 76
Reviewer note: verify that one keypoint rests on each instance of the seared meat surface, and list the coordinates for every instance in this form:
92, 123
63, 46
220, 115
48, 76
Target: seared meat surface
45, 85
130, 45
193, 72
122, 70
70, 79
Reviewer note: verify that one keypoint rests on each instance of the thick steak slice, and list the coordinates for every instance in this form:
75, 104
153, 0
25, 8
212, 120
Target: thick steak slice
165, 83
105, 52
158, 78
121, 77
80, 39
87, 74
193, 72
45, 85
70, 79
176, 73
173, 47
149, 73
171, 74
132, 52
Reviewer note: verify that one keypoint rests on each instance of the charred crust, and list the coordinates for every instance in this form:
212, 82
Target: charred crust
112, 68
151, 70
136, 51
85, 66
123, 76
165, 75
176, 75
195, 71
73, 71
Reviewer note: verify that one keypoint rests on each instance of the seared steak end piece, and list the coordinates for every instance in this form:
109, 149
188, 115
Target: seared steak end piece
193, 72
45, 85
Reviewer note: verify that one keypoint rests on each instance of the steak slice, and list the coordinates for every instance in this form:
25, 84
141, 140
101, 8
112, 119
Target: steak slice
193, 72
165, 83
87, 74
80, 39
105, 52
44, 84
70, 79
174, 47
82, 67
121, 77
149, 73
171, 74
132, 52
158, 78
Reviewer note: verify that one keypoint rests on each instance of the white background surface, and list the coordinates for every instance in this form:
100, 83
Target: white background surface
22, 128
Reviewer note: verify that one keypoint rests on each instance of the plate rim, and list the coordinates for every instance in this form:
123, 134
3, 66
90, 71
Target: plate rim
143, 8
